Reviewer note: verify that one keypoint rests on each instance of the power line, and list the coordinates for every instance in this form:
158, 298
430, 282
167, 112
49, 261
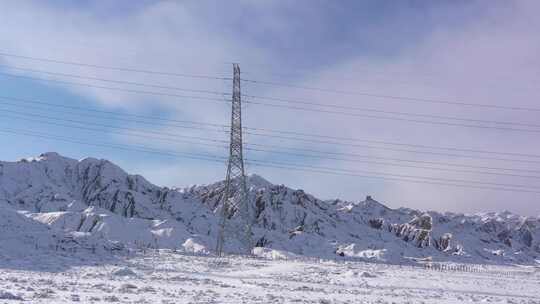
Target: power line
206, 139
130, 69
85, 127
400, 175
318, 151
390, 118
259, 163
167, 120
270, 98
297, 168
267, 98
256, 134
176, 140
115, 146
391, 148
392, 159
116, 81
392, 97
309, 70
113, 88
453, 182
390, 164
122, 69
138, 121
281, 106
354, 139
388, 112
264, 104
48, 104
369, 71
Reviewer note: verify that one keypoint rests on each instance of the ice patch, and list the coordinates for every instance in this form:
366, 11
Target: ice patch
367, 275
370, 254
124, 272
191, 246
4, 295
272, 254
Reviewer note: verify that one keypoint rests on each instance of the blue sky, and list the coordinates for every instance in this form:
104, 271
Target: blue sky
476, 51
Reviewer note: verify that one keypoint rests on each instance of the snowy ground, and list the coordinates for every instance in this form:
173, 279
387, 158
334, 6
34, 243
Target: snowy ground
167, 277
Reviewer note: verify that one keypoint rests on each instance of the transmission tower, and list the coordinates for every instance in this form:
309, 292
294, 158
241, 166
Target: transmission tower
235, 195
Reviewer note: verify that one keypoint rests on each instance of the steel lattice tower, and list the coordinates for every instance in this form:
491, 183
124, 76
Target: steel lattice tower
235, 195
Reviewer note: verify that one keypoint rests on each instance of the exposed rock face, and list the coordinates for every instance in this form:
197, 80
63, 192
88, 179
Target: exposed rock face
51, 182
280, 209
416, 231
443, 243
505, 237
96, 198
525, 233
423, 221
376, 223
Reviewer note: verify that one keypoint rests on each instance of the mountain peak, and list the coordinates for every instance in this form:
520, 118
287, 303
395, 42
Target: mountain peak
258, 181
50, 155
47, 156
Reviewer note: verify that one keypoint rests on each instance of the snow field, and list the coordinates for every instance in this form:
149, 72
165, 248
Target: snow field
165, 276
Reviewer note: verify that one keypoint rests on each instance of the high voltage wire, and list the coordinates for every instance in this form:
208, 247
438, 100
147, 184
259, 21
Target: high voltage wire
400, 175
387, 142
247, 148
286, 106
390, 118
344, 92
301, 169
268, 104
252, 149
269, 164
388, 164
116, 81
260, 97
281, 137
138, 121
48, 104
132, 130
387, 112
270, 98
122, 69
115, 146
129, 69
393, 149
310, 70
382, 77
115, 88
277, 152
391, 97
284, 165
266, 98
158, 118
296, 154
392, 159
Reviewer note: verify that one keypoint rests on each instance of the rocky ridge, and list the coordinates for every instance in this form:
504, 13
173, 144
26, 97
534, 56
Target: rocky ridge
93, 201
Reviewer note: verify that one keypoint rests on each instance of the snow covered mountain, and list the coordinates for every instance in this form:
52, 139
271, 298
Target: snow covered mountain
54, 202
